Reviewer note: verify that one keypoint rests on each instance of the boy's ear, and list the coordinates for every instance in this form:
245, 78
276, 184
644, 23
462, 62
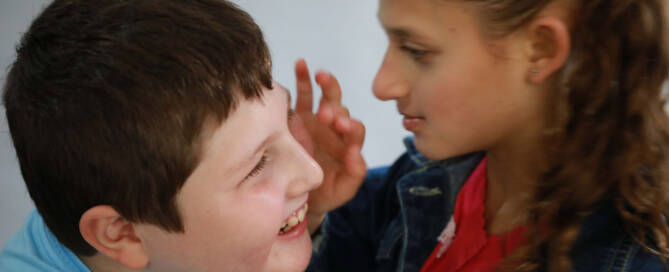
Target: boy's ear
113, 236
549, 47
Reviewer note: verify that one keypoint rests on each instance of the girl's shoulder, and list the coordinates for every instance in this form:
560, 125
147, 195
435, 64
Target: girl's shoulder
604, 245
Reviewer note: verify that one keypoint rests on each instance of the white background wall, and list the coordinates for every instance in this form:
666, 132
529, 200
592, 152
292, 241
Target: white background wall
15, 15
342, 36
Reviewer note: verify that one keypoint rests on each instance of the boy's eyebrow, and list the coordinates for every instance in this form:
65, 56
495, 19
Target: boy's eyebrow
249, 158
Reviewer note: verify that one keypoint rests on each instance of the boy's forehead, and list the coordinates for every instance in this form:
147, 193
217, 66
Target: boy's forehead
272, 100
283, 89
289, 98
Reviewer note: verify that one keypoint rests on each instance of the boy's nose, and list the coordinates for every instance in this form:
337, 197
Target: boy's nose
308, 175
389, 83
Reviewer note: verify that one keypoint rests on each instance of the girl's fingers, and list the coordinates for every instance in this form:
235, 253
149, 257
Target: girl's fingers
330, 88
339, 118
342, 125
345, 132
305, 95
356, 133
356, 169
343, 112
332, 94
326, 114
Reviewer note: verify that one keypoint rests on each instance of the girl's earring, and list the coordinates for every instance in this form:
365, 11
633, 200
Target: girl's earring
533, 74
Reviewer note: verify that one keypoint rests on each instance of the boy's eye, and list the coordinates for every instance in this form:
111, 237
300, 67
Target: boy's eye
416, 54
259, 166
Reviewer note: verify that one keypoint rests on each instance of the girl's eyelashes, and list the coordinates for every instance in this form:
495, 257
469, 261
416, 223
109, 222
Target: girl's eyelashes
259, 167
291, 114
416, 54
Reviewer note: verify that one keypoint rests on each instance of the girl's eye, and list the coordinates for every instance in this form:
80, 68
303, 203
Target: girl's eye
416, 54
259, 167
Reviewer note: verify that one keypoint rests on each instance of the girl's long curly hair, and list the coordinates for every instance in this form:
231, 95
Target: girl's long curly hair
609, 133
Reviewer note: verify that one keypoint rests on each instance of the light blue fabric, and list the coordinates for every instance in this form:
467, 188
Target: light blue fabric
35, 248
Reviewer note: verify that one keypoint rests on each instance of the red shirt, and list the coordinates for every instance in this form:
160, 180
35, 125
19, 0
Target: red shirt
465, 245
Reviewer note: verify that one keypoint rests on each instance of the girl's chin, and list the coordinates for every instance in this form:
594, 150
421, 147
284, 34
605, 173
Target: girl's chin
433, 151
428, 149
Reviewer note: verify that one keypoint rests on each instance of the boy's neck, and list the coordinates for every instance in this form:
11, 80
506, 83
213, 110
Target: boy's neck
102, 263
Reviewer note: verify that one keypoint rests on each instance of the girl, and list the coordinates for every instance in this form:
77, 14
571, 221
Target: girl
540, 141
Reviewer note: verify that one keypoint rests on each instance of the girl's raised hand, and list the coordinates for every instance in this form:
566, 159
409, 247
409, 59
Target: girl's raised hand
336, 141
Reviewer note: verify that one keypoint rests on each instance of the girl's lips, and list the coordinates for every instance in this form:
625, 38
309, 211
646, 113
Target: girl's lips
412, 123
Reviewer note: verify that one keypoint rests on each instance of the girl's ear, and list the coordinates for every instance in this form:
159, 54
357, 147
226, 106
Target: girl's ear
113, 236
549, 47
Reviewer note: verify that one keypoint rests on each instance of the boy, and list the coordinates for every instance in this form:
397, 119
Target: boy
151, 137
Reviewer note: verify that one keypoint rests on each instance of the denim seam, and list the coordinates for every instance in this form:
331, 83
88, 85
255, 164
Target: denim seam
405, 226
612, 258
630, 254
405, 235
385, 252
623, 252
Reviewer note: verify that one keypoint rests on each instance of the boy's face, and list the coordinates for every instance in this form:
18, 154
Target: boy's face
253, 178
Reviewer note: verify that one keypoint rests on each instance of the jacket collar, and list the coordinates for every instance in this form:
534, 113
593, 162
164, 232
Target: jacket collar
427, 198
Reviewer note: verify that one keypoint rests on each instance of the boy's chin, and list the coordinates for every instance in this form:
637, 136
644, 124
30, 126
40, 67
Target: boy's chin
290, 256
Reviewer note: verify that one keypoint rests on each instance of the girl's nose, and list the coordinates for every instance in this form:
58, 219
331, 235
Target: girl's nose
389, 83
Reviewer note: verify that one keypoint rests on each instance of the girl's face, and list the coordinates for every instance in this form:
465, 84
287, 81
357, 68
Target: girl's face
253, 179
458, 90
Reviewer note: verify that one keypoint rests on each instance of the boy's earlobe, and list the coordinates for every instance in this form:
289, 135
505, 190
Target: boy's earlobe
550, 46
113, 236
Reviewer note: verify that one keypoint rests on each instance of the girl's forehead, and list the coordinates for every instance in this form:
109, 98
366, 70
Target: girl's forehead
403, 11
424, 20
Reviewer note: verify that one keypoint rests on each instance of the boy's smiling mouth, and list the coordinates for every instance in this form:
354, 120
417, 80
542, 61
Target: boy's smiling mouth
293, 220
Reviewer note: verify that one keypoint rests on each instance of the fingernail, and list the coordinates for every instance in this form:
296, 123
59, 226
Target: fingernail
322, 75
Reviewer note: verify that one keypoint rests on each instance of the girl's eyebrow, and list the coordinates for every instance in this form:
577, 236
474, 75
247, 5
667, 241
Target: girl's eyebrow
406, 34
401, 33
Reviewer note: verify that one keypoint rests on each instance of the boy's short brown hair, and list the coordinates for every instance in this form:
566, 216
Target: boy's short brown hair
107, 98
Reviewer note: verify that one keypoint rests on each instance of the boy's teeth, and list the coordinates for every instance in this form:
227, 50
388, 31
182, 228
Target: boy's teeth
294, 220
300, 215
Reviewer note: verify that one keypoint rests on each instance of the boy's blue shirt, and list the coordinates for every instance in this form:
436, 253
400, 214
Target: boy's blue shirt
393, 222
34, 248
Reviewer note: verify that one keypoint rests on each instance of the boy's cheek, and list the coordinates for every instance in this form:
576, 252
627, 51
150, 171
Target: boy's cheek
301, 134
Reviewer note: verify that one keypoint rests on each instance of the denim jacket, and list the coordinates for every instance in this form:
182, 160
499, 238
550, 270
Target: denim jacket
393, 222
